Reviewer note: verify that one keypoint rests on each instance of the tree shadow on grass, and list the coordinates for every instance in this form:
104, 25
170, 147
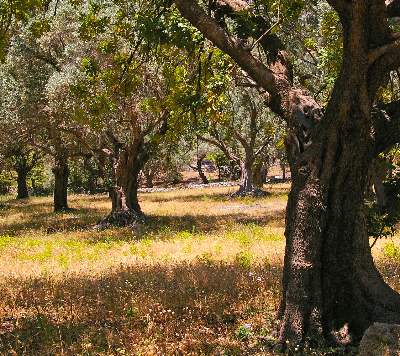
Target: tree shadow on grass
209, 223
176, 309
50, 222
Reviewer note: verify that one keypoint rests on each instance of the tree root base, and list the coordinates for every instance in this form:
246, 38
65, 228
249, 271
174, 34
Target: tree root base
126, 218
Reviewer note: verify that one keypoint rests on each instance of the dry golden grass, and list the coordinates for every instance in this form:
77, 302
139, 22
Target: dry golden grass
201, 278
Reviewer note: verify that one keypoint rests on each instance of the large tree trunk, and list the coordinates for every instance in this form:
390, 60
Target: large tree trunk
330, 282
22, 186
61, 174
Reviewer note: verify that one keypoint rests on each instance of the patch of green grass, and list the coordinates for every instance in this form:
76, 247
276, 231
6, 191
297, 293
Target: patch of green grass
218, 249
251, 233
244, 259
183, 235
391, 250
44, 253
187, 247
6, 241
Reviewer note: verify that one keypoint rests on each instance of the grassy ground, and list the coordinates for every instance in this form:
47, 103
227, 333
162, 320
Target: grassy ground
202, 277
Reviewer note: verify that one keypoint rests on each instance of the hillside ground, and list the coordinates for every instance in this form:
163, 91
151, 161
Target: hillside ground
202, 277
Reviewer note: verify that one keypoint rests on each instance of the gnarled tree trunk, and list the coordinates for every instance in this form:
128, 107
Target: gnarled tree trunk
330, 281
126, 209
249, 186
61, 174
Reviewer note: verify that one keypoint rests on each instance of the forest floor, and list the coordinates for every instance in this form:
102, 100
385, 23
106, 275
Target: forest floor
202, 277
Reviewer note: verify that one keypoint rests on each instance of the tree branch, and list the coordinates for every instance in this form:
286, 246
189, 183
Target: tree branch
213, 32
375, 54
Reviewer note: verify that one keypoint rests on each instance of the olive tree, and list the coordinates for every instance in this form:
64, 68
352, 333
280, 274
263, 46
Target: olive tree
330, 281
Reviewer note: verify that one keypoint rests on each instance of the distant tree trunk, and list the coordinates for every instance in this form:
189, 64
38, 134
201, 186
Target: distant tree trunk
283, 169
258, 175
61, 174
34, 186
149, 176
248, 185
199, 167
22, 187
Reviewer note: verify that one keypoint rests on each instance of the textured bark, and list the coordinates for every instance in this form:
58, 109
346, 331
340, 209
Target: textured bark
330, 282
61, 174
22, 186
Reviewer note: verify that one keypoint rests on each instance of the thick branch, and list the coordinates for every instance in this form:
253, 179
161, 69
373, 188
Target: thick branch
378, 52
261, 74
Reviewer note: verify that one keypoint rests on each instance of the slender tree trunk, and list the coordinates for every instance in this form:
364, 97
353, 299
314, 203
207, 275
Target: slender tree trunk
283, 169
22, 187
61, 174
258, 175
379, 173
